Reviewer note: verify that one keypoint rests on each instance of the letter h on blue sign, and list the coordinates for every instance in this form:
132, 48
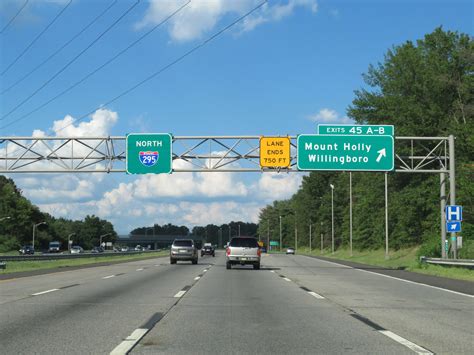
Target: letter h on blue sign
454, 213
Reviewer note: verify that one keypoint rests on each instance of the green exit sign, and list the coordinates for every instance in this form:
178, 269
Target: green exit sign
380, 130
149, 153
345, 152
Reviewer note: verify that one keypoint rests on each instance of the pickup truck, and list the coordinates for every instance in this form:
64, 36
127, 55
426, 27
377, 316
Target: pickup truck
243, 251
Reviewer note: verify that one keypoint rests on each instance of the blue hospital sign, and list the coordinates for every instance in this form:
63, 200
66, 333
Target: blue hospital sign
453, 213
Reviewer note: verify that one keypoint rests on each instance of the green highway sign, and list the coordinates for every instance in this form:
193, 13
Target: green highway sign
345, 152
381, 130
149, 153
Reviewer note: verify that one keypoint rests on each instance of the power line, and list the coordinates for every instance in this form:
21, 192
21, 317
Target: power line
37, 37
101, 66
70, 62
194, 49
14, 17
59, 49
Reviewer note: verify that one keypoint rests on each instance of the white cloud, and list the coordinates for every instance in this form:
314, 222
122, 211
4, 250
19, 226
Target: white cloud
201, 16
277, 186
327, 115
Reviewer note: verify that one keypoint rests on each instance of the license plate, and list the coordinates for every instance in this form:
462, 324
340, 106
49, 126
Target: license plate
243, 259
182, 251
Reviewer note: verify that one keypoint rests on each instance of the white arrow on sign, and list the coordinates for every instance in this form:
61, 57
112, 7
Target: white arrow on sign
453, 226
382, 153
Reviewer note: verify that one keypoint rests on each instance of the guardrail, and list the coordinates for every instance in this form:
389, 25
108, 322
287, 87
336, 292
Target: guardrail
467, 263
60, 256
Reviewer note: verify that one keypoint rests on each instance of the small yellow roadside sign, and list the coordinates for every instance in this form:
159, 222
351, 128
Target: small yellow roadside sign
275, 152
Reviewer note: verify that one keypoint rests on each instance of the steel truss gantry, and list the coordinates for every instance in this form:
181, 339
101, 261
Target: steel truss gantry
190, 154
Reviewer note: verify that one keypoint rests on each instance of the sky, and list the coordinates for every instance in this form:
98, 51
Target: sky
282, 70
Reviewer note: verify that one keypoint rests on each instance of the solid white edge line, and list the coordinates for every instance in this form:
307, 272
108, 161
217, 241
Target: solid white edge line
314, 294
108, 277
180, 294
196, 278
286, 279
125, 346
395, 278
412, 346
43, 292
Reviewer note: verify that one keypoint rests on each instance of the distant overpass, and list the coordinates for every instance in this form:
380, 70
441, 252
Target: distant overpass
156, 241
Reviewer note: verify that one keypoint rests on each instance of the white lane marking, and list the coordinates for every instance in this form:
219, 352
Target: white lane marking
157, 264
180, 294
314, 294
396, 278
272, 271
43, 292
205, 270
286, 279
125, 346
108, 277
419, 283
141, 269
197, 278
412, 346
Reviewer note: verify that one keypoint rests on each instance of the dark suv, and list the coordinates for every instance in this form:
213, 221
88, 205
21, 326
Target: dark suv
208, 249
183, 249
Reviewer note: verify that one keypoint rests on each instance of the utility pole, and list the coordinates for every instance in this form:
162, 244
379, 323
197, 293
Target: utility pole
442, 178
310, 236
280, 235
452, 190
386, 217
268, 234
332, 218
322, 235
350, 211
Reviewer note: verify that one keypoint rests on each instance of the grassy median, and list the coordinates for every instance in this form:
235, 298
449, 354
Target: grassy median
17, 266
406, 259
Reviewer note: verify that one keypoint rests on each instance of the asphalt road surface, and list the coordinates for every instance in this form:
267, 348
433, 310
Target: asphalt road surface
294, 304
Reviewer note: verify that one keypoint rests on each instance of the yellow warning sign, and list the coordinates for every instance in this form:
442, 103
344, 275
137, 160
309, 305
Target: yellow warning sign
275, 152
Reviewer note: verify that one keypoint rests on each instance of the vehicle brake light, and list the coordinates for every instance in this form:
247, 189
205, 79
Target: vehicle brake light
227, 251
259, 252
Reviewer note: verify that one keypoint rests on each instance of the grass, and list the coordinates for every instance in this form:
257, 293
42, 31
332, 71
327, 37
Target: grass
404, 259
16, 266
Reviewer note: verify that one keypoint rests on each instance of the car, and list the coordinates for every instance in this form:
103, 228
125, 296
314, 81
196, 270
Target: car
290, 251
138, 248
263, 249
183, 249
97, 250
54, 247
124, 249
27, 250
243, 251
208, 249
76, 249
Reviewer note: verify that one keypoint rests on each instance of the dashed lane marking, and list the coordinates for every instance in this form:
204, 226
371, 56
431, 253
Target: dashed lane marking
180, 294
44, 292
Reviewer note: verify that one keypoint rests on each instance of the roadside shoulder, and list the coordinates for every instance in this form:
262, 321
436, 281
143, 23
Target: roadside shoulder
462, 286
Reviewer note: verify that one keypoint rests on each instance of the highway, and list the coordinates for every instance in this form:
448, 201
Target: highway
294, 304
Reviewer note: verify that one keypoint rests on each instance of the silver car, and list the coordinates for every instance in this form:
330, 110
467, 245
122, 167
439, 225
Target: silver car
183, 249
76, 249
243, 250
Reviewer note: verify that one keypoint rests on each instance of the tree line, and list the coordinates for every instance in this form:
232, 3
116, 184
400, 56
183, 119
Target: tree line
211, 233
423, 89
18, 216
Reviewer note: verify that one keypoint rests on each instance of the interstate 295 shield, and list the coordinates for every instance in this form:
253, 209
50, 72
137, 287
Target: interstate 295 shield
149, 153
149, 158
